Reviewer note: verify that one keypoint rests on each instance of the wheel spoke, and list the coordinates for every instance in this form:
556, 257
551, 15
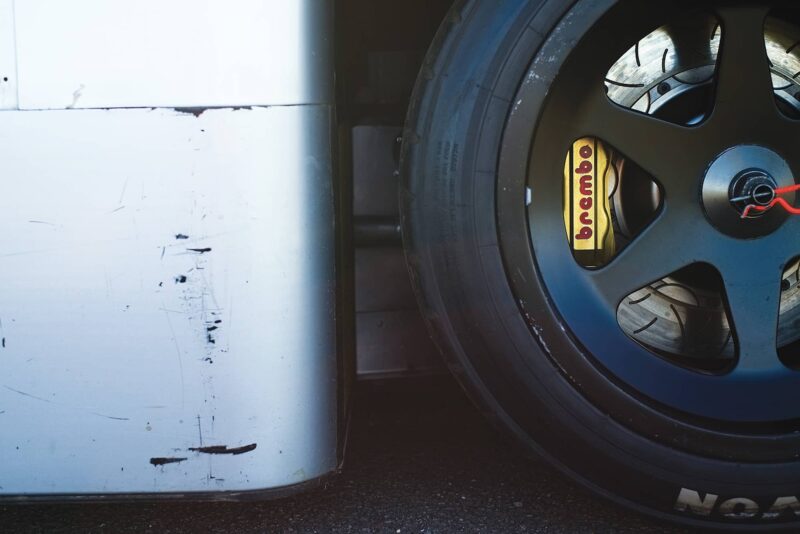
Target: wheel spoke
646, 140
789, 236
690, 39
752, 288
744, 83
664, 247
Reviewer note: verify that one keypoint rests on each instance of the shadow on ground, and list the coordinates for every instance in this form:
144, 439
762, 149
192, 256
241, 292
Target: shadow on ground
420, 459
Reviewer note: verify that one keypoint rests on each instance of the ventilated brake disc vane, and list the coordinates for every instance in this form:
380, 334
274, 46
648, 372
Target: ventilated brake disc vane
588, 170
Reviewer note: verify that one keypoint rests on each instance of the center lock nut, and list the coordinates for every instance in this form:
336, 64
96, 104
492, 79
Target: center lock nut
746, 175
752, 187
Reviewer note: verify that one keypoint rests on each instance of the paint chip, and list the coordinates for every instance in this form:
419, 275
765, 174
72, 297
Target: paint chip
165, 461
223, 449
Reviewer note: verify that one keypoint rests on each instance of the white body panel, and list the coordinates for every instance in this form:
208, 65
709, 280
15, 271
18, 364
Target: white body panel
168, 276
8, 56
186, 53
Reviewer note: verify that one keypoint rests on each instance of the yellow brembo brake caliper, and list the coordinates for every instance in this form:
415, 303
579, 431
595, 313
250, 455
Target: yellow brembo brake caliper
587, 209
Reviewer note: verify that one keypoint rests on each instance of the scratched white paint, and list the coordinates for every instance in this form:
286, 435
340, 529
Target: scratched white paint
8, 60
107, 360
100, 53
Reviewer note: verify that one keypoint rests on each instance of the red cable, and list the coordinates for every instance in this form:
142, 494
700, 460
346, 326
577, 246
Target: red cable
777, 200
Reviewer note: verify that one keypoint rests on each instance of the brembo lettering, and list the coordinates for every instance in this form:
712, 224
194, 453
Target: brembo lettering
585, 168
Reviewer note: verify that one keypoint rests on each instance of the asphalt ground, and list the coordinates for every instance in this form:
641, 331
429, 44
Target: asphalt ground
420, 459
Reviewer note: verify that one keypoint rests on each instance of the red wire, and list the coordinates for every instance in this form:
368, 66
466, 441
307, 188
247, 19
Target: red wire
777, 200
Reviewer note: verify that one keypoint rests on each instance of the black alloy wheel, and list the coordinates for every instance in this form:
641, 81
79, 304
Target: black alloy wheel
590, 218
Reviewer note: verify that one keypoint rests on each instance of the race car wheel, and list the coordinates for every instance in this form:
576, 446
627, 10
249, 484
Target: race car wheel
598, 212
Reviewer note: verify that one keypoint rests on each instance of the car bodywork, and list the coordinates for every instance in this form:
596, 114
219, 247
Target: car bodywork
168, 318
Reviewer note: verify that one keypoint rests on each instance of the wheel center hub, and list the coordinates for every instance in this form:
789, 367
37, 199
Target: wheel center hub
743, 176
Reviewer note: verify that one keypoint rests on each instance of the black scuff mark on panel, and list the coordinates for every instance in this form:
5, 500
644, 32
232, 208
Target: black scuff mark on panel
181, 279
164, 461
223, 449
191, 111
111, 417
3, 342
42, 399
197, 111
200, 429
199, 250
27, 394
181, 236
